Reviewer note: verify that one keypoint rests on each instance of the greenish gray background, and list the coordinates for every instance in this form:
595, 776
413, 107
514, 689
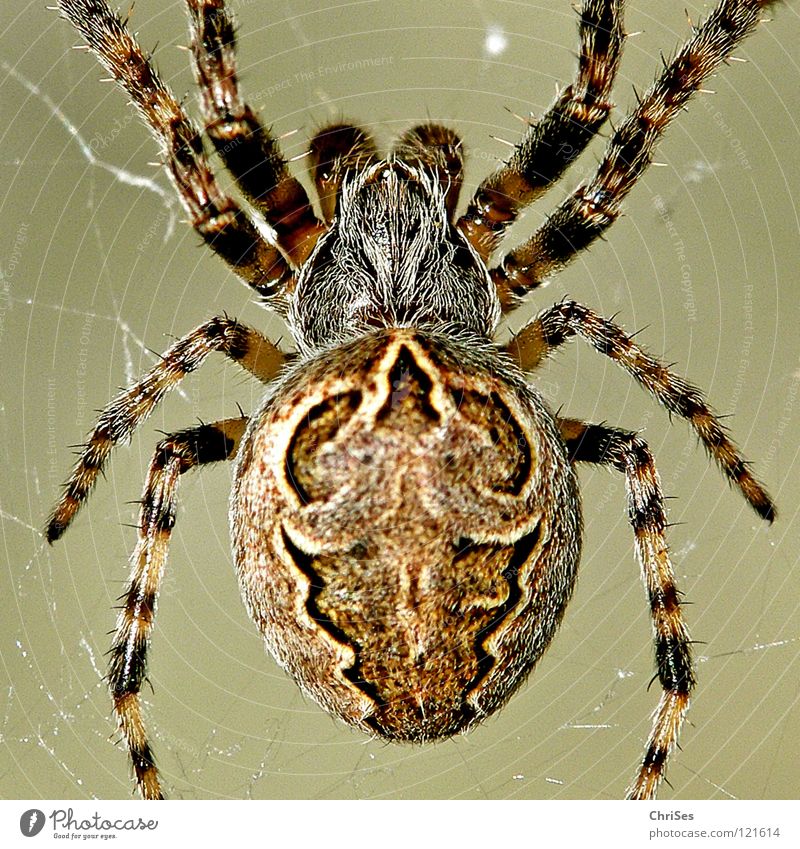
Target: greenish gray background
97, 272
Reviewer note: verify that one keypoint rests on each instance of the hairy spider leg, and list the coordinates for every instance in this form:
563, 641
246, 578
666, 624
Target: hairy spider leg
557, 138
223, 225
591, 209
249, 151
628, 453
552, 327
174, 455
129, 409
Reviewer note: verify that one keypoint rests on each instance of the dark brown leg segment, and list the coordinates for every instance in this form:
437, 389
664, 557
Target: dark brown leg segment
335, 151
129, 409
174, 455
630, 455
440, 151
554, 326
594, 206
553, 142
249, 151
215, 216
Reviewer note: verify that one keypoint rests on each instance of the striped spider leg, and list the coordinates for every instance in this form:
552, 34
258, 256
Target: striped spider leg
628, 453
174, 455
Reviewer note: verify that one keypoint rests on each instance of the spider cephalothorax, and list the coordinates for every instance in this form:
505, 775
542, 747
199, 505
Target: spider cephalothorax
405, 512
392, 256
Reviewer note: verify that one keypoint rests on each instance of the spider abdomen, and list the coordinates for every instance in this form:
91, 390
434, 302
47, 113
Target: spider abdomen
406, 528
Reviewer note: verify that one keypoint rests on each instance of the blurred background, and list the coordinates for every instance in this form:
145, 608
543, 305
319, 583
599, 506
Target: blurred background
97, 273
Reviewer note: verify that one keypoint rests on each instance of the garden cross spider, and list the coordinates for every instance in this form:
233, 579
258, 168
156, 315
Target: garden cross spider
405, 512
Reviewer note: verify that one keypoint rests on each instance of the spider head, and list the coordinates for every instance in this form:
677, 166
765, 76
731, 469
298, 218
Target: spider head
391, 257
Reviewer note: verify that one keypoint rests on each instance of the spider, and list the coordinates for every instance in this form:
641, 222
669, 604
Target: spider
405, 513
